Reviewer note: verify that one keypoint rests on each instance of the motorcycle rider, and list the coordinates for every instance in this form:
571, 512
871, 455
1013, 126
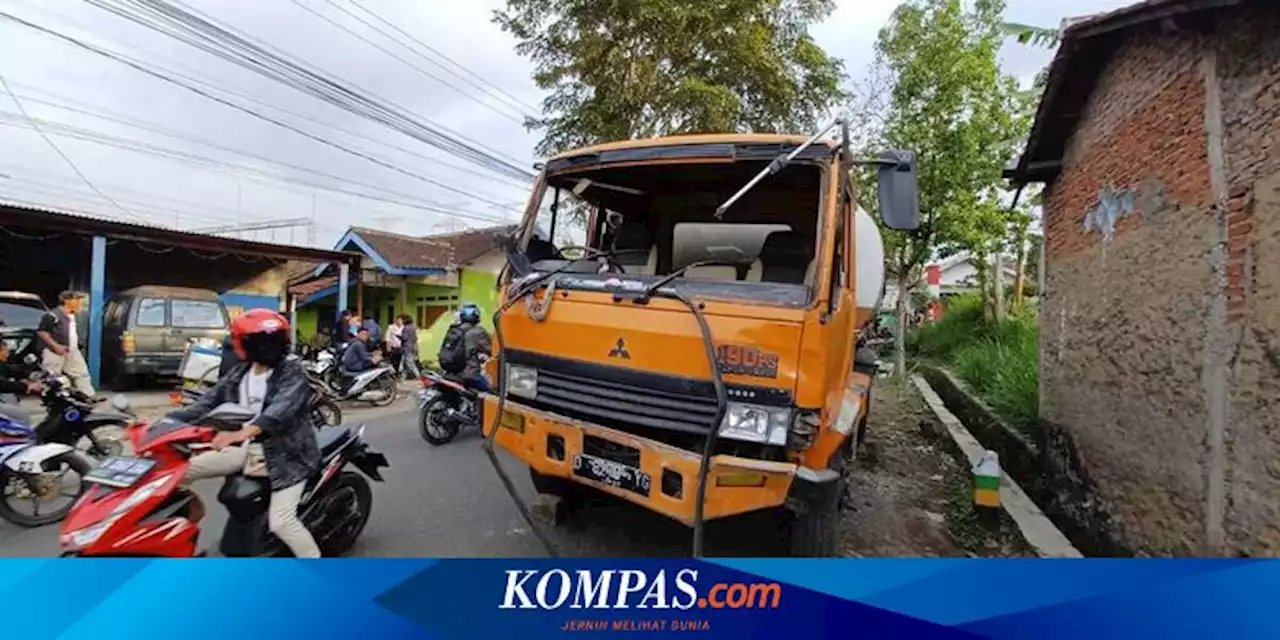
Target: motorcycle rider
475, 344
357, 358
274, 387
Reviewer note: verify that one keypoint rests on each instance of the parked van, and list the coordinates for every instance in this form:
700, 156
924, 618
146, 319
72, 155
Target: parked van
147, 329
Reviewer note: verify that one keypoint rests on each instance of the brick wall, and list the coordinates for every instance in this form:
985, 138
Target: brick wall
1123, 318
1146, 327
1249, 65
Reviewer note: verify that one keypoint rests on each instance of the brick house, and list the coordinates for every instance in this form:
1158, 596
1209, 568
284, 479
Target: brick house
1157, 141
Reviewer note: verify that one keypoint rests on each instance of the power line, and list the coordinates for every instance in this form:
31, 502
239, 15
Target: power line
245, 109
185, 25
98, 112
194, 77
64, 192
484, 86
517, 119
65, 157
199, 211
514, 101
142, 147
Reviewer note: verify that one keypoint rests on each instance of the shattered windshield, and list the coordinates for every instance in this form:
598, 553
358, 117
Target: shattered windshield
657, 219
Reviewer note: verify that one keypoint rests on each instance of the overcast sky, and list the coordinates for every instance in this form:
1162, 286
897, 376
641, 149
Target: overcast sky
260, 171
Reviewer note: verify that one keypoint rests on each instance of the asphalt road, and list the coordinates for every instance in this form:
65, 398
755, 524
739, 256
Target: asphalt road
448, 502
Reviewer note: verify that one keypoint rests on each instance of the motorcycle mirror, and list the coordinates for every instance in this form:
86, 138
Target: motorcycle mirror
120, 403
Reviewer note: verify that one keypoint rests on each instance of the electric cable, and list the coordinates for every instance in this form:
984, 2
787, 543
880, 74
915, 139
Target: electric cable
519, 104
61, 154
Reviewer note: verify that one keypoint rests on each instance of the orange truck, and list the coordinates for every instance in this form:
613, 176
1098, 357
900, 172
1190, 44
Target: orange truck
695, 353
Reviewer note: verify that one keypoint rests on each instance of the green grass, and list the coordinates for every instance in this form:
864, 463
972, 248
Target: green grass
997, 360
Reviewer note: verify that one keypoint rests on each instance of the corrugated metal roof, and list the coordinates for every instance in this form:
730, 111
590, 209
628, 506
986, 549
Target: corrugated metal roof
50, 219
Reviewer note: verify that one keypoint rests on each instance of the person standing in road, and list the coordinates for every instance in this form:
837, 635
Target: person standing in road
62, 354
395, 350
409, 347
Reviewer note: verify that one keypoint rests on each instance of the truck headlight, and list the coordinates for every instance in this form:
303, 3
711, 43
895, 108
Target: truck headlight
755, 423
522, 381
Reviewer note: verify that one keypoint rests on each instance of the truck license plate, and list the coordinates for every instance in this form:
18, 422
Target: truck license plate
614, 474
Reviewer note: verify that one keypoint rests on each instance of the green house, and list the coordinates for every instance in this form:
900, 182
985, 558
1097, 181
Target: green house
425, 277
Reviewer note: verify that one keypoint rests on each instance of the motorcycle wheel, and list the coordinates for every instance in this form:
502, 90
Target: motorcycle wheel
326, 413
350, 490
11, 481
431, 423
391, 388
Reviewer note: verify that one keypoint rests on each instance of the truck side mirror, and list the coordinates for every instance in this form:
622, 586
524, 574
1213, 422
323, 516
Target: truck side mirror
899, 193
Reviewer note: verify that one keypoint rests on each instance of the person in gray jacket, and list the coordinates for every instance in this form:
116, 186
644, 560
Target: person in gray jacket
409, 344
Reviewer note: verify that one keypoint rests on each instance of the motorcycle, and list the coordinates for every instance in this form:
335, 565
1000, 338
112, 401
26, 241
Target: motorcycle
73, 420
35, 471
137, 506
379, 386
323, 365
445, 406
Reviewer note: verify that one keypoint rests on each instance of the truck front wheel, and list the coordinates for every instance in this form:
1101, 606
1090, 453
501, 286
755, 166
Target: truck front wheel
815, 531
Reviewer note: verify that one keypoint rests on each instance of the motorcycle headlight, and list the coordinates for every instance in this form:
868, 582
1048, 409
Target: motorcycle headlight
88, 535
522, 381
755, 423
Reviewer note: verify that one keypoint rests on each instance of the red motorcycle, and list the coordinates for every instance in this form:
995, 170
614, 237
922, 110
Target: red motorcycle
136, 506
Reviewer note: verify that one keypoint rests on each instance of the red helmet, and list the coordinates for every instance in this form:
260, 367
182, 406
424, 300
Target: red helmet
260, 335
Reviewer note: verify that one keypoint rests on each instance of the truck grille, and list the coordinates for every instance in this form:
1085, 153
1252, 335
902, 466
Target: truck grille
611, 403
673, 409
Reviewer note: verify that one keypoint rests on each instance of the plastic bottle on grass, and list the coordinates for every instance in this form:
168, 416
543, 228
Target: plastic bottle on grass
986, 480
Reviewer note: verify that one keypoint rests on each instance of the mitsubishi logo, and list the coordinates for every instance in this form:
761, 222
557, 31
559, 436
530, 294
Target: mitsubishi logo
620, 350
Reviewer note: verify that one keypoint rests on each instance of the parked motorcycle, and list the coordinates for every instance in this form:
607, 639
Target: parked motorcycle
445, 407
379, 386
73, 420
323, 365
136, 506
36, 472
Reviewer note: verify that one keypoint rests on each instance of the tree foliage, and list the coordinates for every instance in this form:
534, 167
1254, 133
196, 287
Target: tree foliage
621, 69
1032, 35
950, 103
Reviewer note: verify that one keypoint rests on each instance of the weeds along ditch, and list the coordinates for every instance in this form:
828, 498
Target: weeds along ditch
998, 360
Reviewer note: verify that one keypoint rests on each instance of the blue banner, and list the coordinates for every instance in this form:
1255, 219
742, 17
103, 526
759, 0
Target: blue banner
368, 599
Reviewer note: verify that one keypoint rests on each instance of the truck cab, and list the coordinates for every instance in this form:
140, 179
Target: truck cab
696, 356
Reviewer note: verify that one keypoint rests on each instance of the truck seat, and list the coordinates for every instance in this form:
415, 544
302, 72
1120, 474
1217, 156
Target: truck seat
628, 241
712, 272
785, 257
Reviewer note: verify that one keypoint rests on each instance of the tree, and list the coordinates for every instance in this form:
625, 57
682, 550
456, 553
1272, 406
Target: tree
1031, 35
621, 69
951, 105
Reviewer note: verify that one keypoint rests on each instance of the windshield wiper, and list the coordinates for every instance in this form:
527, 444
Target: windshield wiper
777, 164
665, 280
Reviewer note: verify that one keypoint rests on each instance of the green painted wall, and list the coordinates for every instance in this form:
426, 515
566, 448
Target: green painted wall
308, 320
475, 286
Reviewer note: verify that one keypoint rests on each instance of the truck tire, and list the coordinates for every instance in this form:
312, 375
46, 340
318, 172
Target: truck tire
815, 533
551, 485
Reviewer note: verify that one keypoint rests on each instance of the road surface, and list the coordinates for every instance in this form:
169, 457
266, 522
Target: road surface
447, 502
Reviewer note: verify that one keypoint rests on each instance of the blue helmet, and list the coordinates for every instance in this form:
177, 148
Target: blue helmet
469, 312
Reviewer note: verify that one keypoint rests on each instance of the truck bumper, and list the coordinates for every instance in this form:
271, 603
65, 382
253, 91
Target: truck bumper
550, 444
